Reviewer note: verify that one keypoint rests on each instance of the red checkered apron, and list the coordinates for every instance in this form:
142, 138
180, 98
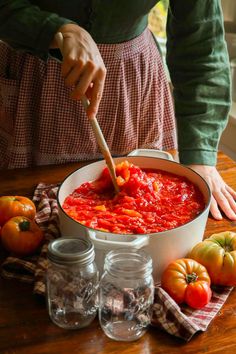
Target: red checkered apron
40, 124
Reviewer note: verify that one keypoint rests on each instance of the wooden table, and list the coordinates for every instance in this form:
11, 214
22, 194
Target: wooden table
26, 328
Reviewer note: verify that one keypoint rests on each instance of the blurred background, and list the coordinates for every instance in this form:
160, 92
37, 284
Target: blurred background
157, 19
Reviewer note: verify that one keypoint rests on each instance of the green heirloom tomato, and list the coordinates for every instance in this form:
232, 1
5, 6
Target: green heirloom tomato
218, 254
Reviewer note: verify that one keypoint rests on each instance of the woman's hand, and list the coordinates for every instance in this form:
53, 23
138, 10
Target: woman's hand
223, 196
82, 66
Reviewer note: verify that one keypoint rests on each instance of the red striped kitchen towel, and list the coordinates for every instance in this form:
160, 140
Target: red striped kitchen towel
181, 322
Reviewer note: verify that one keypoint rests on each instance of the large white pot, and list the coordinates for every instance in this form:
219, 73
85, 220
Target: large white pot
162, 246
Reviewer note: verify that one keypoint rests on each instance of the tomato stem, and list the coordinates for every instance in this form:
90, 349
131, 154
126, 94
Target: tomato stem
191, 278
24, 225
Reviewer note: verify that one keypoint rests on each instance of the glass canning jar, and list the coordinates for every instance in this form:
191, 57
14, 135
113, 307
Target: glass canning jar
126, 294
72, 282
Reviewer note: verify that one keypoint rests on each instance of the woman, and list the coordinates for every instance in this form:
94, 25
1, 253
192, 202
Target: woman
40, 124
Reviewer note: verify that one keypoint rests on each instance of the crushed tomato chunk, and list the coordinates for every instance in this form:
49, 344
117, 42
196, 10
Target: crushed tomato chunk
148, 201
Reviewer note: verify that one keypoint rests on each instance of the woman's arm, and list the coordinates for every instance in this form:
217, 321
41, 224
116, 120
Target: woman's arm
199, 68
26, 27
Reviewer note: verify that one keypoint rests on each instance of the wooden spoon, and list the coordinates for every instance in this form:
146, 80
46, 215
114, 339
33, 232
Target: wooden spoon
102, 145
96, 129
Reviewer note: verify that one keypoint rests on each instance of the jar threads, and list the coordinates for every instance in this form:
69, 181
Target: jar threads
126, 294
72, 282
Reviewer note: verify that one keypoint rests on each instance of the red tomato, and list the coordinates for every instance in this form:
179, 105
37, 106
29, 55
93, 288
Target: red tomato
21, 236
198, 294
14, 206
186, 280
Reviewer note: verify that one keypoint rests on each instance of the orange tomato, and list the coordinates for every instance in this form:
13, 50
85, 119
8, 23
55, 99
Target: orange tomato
21, 236
14, 206
186, 280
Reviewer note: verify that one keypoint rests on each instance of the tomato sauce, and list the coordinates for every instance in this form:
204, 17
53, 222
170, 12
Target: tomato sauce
148, 201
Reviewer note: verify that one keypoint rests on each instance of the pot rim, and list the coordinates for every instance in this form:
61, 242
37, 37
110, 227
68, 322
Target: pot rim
206, 209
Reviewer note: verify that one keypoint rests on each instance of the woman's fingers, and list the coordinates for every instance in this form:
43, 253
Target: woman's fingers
226, 203
223, 196
230, 199
73, 73
81, 83
96, 94
214, 210
231, 191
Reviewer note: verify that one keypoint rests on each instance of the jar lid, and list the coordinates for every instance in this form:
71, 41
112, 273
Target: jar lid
71, 251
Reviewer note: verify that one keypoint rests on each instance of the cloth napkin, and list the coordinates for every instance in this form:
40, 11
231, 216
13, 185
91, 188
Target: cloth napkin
33, 269
180, 321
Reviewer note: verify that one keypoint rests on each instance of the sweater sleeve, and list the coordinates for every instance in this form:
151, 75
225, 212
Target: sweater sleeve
198, 62
25, 27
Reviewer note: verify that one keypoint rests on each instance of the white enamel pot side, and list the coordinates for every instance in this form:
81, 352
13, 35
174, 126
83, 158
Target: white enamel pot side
103, 244
162, 246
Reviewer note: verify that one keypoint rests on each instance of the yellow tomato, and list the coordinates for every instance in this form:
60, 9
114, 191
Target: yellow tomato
14, 206
21, 236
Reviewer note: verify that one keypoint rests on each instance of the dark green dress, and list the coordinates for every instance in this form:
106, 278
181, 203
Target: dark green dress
196, 54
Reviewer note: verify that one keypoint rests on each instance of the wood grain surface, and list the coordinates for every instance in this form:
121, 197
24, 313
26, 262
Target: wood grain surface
25, 327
